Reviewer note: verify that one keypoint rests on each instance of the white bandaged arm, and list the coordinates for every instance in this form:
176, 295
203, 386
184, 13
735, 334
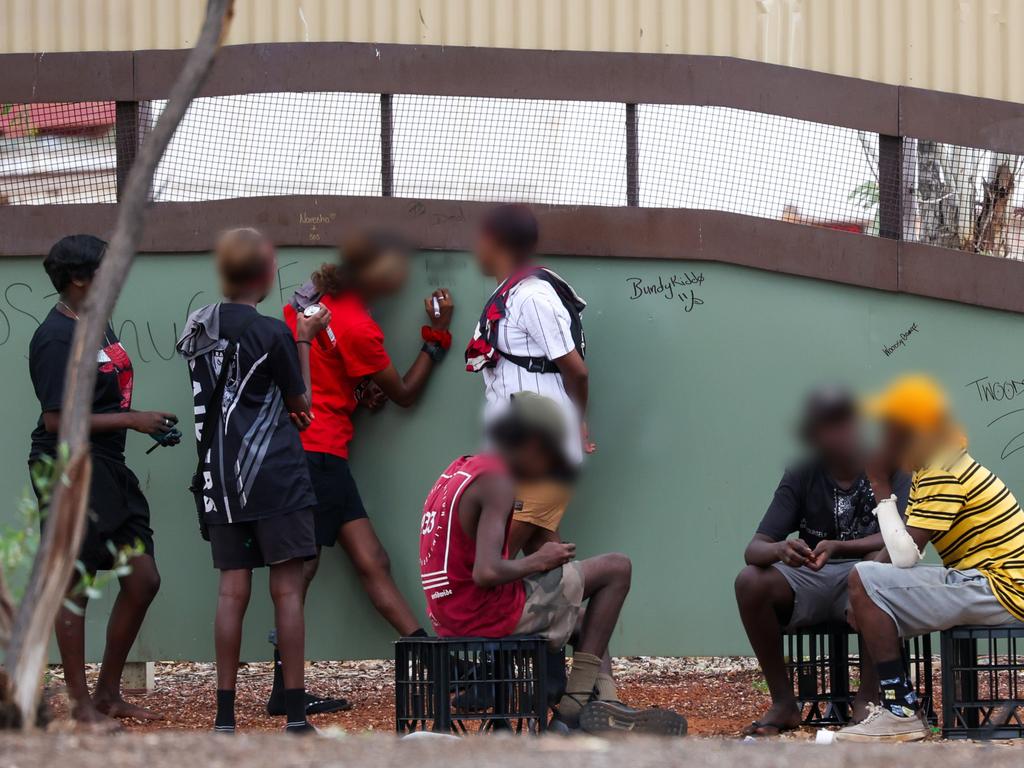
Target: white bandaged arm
902, 548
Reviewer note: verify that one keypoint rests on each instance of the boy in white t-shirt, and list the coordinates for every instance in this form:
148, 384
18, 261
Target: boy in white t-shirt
530, 339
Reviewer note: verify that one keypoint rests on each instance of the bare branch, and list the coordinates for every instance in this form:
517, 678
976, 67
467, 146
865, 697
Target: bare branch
54, 563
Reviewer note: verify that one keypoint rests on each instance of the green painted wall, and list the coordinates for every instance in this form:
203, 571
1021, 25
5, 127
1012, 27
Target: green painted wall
692, 404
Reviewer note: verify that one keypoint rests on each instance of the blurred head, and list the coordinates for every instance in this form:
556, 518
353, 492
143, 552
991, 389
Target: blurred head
508, 236
917, 422
829, 425
246, 263
530, 437
374, 264
72, 262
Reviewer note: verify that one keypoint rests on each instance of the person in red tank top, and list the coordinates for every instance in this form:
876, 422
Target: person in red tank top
348, 368
473, 589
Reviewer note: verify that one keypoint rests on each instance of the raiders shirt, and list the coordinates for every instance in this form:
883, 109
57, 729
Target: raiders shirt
256, 467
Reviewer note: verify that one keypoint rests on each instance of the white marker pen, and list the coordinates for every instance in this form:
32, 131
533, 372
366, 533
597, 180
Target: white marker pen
437, 307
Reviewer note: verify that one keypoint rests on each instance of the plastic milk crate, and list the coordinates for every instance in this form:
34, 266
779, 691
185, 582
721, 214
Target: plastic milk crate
462, 685
983, 682
819, 662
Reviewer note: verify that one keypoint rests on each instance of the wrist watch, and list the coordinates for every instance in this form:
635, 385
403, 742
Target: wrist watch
434, 351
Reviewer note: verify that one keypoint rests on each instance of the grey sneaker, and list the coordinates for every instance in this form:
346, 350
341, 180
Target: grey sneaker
882, 725
606, 716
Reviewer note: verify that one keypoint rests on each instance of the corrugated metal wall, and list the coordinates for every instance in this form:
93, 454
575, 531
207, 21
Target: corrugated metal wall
967, 46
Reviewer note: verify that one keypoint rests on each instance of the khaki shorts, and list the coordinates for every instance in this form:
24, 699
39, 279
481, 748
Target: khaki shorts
542, 504
553, 601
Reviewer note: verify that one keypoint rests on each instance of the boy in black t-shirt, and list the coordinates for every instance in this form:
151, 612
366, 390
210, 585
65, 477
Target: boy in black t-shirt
790, 583
118, 513
257, 499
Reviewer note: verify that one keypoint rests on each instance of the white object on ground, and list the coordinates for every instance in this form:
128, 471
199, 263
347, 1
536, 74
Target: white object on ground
824, 737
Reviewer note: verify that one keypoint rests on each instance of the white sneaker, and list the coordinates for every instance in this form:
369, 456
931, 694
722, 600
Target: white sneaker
882, 725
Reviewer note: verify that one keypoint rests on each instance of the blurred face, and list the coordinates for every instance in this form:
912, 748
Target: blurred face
837, 440
529, 460
488, 254
386, 274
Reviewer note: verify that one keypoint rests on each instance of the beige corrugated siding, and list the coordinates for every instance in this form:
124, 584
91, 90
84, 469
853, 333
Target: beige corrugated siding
969, 46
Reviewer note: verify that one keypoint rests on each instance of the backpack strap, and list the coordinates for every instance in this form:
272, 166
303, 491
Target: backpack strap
214, 406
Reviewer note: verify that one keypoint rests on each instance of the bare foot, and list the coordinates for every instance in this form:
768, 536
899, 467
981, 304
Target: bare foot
860, 706
88, 717
781, 717
125, 710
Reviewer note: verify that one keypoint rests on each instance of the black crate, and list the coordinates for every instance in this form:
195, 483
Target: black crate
983, 682
819, 662
463, 685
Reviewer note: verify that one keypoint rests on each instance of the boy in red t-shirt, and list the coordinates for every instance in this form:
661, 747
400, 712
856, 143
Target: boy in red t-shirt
351, 368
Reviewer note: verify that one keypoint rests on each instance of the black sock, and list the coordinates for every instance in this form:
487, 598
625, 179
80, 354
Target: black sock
225, 711
420, 632
898, 695
278, 687
295, 706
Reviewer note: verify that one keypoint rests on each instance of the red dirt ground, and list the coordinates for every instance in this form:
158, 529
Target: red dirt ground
719, 696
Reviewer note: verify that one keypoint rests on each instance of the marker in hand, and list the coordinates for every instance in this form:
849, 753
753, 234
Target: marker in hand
437, 307
325, 338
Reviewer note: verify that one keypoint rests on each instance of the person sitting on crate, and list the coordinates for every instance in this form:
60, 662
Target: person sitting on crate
792, 583
473, 589
976, 526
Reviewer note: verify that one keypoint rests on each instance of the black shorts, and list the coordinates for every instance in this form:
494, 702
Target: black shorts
338, 500
118, 515
255, 543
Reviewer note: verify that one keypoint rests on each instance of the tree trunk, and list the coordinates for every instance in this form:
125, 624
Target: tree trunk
937, 197
54, 563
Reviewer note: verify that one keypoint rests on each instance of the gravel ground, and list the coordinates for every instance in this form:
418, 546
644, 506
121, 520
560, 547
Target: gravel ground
718, 695
168, 750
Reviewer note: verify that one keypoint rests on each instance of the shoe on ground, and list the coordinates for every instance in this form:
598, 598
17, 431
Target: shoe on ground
558, 727
882, 725
608, 716
315, 705
301, 729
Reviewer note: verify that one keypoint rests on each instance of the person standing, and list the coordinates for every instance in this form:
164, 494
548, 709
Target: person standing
350, 366
250, 381
118, 516
529, 338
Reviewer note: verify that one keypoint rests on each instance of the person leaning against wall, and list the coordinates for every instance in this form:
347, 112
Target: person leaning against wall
250, 381
529, 338
118, 516
350, 366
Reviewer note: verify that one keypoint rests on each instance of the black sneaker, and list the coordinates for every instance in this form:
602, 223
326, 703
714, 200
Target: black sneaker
315, 705
606, 716
304, 728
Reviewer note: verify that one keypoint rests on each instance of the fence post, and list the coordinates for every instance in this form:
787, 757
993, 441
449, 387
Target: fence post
632, 158
387, 168
890, 186
126, 139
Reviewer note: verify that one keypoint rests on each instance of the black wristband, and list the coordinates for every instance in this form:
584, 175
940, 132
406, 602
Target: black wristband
304, 341
434, 351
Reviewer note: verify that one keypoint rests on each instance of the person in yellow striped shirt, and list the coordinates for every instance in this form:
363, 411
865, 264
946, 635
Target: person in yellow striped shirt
970, 517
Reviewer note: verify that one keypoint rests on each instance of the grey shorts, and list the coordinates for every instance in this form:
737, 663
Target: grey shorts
818, 596
553, 601
930, 598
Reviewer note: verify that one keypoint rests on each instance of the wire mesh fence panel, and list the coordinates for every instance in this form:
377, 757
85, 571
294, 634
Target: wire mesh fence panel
58, 153
732, 160
510, 150
261, 144
964, 198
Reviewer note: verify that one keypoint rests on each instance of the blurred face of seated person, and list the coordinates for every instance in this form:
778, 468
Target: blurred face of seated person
353, 369
788, 583
119, 515
976, 526
471, 586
